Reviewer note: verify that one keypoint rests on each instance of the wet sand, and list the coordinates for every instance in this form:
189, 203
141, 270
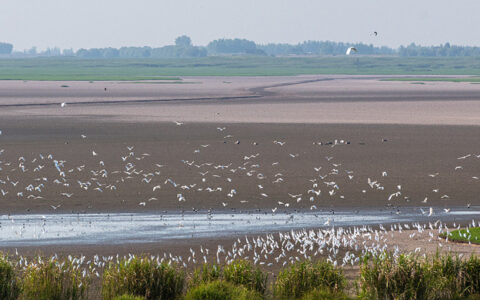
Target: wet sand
408, 155
408, 131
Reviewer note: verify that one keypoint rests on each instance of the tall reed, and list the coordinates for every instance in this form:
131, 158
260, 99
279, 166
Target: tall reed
9, 282
143, 277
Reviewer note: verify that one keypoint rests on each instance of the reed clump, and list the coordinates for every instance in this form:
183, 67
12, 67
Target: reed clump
143, 276
55, 279
243, 272
221, 290
304, 277
387, 276
9, 282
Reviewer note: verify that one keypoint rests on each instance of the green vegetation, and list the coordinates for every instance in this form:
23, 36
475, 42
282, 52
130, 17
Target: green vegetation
468, 235
442, 79
325, 294
238, 272
70, 68
221, 290
128, 297
9, 285
143, 277
55, 280
243, 272
411, 277
304, 277
382, 276
205, 274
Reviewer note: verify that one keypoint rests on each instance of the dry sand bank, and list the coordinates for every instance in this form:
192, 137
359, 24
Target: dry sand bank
303, 99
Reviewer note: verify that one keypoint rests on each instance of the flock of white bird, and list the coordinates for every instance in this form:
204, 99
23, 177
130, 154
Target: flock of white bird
31, 179
341, 246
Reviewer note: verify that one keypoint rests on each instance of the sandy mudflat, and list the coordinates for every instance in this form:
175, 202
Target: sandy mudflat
408, 156
301, 99
416, 134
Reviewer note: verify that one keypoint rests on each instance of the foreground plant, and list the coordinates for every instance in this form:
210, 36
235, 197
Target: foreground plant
304, 277
387, 276
324, 294
242, 272
55, 279
128, 297
9, 283
143, 277
207, 273
221, 290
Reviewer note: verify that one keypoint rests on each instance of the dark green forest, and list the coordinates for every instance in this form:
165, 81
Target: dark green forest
183, 48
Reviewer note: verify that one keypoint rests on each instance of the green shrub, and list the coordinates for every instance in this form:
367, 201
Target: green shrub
128, 297
304, 277
54, 279
454, 277
409, 277
472, 278
221, 290
384, 277
242, 272
9, 285
142, 277
325, 294
205, 274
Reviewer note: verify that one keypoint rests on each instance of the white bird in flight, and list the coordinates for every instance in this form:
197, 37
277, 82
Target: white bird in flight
350, 49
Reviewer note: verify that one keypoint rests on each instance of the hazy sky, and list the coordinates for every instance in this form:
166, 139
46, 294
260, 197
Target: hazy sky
103, 23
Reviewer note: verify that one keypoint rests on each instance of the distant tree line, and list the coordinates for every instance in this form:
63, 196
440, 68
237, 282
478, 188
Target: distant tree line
442, 50
322, 48
183, 47
5, 48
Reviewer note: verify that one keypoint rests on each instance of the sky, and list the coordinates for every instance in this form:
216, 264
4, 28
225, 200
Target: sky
116, 23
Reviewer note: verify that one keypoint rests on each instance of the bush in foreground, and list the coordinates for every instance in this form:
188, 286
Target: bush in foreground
55, 280
143, 277
409, 277
242, 272
384, 277
325, 294
9, 285
221, 290
304, 277
207, 273
128, 297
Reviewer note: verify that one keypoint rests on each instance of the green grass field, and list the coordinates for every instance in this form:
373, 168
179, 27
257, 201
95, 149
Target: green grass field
68, 68
462, 235
440, 79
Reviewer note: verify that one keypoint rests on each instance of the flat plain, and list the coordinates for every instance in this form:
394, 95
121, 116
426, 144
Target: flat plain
242, 145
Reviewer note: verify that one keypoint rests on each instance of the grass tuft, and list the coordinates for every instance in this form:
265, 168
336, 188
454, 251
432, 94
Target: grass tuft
55, 279
324, 294
143, 277
409, 277
128, 297
304, 277
9, 283
242, 272
207, 273
221, 290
